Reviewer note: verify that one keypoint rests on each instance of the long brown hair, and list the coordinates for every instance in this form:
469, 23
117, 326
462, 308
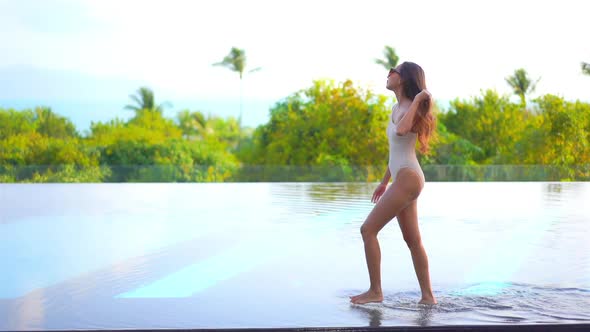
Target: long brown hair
413, 81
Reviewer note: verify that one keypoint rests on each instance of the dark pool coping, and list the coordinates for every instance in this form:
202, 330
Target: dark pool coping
487, 328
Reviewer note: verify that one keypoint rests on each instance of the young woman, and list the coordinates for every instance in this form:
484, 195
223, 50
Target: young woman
411, 119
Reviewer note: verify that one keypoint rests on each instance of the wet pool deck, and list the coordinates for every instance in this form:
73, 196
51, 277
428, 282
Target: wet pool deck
448, 328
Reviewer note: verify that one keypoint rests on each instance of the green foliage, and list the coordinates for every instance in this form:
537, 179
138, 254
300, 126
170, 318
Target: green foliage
226, 131
452, 149
148, 126
175, 160
196, 126
35, 149
327, 124
148, 147
192, 124
14, 122
561, 135
556, 134
52, 125
68, 174
586, 68
39, 144
41, 120
151, 148
490, 122
26, 157
327, 132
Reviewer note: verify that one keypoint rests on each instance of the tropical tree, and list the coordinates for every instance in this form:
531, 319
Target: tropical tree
490, 122
521, 84
13, 122
236, 62
336, 127
391, 58
192, 124
560, 134
196, 126
586, 68
144, 100
50, 124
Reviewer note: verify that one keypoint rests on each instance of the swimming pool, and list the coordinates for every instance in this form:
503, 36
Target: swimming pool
238, 255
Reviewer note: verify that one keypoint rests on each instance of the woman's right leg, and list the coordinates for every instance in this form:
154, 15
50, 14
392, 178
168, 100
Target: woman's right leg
399, 194
408, 223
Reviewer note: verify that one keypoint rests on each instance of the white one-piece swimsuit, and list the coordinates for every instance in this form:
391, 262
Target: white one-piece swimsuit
402, 149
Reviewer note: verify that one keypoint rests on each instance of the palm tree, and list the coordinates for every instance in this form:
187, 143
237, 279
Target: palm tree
193, 124
144, 100
521, 84
586, 68
391, 58
236, 61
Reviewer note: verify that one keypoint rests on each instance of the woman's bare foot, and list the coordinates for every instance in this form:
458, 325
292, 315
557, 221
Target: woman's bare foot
428, 300
367, 297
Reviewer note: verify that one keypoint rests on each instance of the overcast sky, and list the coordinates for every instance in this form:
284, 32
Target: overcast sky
463, 46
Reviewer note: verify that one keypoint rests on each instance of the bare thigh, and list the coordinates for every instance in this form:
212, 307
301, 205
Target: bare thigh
399, 195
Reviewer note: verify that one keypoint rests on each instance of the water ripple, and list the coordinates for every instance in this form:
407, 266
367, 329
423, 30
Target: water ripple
516, 303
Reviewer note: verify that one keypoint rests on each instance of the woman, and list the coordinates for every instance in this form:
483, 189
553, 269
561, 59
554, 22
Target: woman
411, 120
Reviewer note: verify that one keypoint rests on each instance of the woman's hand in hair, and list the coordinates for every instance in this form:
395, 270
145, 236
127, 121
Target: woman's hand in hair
424, 95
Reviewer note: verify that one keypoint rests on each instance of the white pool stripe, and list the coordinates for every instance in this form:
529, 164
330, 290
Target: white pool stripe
37, 247
208, 272
239, 259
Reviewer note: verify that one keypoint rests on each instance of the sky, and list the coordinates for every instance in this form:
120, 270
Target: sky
89, 50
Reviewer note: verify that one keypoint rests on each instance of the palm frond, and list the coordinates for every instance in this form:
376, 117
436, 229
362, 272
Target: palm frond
391, 58
200, 119
143, 99
381, 62
234, 61
136, 99
521, 83
131, 107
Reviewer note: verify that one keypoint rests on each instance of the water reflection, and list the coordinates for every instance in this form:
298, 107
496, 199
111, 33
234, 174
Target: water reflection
540, 240
565, 192
379, 314
329, 192
31, 311
375, 315
425, 315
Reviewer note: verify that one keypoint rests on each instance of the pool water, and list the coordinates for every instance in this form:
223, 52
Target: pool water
257, 255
